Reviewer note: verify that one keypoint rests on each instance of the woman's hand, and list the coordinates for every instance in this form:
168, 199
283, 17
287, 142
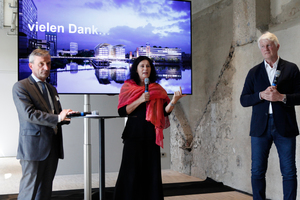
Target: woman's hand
177, 95
145, 97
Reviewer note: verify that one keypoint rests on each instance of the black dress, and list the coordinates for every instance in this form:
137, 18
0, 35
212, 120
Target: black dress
140, 172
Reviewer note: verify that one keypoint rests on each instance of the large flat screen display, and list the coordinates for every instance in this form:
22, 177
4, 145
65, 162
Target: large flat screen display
94, 42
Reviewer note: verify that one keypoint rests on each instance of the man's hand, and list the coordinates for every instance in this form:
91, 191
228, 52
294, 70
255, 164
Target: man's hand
271, 94
63, 114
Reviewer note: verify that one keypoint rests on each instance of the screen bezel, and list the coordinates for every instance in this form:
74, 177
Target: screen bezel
112, 94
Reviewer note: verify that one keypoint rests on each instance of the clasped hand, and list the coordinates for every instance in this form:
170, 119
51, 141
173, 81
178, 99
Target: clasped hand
145, 97
271, 94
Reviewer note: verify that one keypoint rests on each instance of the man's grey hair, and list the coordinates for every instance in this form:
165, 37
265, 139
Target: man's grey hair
268, 36
38, 52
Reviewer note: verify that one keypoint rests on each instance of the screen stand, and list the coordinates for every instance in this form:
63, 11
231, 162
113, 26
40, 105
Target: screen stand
87, 151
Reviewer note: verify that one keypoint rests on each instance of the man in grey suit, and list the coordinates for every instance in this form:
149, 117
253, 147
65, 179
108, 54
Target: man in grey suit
40, 136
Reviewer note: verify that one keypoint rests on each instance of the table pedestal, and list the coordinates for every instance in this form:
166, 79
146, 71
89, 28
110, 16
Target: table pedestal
87, 158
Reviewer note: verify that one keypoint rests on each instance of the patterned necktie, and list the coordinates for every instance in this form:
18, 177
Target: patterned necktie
45, 94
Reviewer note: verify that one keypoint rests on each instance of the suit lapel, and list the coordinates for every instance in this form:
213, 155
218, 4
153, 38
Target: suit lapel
264, 76
280, 67
53, 98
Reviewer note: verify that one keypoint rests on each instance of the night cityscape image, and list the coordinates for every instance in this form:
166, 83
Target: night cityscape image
93, 43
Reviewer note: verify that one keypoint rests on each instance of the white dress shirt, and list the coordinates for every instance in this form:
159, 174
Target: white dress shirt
271, 73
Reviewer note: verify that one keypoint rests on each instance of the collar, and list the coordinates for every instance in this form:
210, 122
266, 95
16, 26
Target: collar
274, 65
35, 78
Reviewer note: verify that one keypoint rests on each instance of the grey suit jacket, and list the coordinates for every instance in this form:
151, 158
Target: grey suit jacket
37, 122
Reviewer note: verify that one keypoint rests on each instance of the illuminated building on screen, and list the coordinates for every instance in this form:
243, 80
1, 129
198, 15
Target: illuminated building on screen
106, 51
27, 15
73, 48
51, 38
159, 53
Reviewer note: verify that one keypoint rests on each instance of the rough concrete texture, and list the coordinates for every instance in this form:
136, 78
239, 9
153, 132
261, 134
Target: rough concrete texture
283, 11
224, 49
212, 38
180, 141
213, 134
263, 14
244, 22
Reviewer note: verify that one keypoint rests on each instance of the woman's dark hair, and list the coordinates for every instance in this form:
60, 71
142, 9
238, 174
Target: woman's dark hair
133, 71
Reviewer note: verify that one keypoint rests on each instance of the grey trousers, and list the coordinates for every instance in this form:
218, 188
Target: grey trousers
37, 178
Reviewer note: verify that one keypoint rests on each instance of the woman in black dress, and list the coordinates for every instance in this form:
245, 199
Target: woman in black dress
140, 172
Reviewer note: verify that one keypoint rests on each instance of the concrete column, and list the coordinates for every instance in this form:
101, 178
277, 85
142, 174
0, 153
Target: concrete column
244, 22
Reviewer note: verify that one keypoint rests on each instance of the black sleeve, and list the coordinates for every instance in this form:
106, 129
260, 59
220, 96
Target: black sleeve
122, 111
165, 113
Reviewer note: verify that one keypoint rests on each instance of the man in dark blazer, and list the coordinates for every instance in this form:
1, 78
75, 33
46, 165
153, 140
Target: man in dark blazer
273, 116
40, 137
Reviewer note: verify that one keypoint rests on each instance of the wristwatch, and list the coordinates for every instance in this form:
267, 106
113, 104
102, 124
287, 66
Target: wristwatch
284, 99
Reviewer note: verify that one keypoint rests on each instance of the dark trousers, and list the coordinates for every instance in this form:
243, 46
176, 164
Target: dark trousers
37, 178
286, 148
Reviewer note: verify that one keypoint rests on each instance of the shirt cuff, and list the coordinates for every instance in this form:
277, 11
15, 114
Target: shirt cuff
59, 120
259, 96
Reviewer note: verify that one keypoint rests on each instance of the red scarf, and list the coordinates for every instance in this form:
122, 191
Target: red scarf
130, 92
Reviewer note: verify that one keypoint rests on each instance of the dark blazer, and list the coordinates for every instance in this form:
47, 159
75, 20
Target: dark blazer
37, 123
284, 114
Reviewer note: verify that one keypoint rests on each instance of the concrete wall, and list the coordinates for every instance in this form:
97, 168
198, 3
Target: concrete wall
224, 49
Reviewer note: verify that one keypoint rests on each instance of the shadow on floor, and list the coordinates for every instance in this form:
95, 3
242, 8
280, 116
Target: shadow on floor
171, 189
